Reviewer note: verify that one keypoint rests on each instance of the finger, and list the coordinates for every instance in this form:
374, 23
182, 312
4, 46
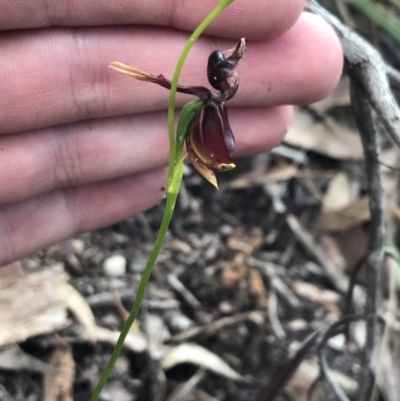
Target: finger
60, 76
39, 222
256, 19
60, 157
306, 66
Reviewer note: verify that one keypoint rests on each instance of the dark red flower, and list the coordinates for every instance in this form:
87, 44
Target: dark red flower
209, 140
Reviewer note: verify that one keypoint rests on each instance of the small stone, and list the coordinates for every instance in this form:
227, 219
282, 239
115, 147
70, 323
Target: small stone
178, 322
338, 342
358, 330
111, 320
121, 366
225, 307
78, 246
114, 266
226, 230
298, 324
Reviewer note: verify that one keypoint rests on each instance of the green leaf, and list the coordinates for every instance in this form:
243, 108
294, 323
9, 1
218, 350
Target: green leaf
384, 16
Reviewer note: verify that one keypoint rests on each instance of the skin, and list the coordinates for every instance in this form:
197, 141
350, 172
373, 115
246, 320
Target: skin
83, 146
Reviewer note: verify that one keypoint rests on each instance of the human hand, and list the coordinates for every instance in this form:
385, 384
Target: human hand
82, 146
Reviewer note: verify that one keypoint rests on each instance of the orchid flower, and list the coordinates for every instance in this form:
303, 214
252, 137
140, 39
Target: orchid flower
209, 138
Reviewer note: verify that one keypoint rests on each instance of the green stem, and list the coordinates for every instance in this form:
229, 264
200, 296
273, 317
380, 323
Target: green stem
169, 209
173, 186
172, 95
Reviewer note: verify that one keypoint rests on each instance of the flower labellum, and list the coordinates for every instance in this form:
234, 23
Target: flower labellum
209, 140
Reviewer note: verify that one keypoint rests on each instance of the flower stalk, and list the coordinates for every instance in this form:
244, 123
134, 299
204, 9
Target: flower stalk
175, 173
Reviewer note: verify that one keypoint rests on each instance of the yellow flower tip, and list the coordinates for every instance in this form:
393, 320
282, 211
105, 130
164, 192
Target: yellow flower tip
213, 181
207, 173
226, 167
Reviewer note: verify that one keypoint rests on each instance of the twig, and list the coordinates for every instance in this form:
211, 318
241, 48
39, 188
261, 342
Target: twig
106, 299
325, 371
274, 388
273, 315
375, 252
328, 375
269, 270
182, 392
394, 76
4, 395
381, 366
338, 279
332, 331
353, 277
178, 286
369, 69
213, 327
369, 88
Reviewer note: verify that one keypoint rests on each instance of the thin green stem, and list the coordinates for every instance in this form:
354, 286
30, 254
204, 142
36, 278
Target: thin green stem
169, 209
172, 95
175, 173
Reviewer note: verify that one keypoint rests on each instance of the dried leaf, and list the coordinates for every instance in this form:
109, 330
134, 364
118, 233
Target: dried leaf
58, 385
338, 194
233, 273
12, 357
80, 308
307, 372
329, 299
351, 216
327, 138
135, 341
12, 270
333, 252
277, 174
178, 245
245, 243
281, 173
257, 288
387, 369
197, 355
30, 305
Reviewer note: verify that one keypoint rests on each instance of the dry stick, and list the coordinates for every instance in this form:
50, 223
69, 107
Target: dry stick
375, 252
277, 384
370, 71
182, 392
338, 279
394, 76
273, 315
333, 330
213, 327
349, 295
369, 87
325, 371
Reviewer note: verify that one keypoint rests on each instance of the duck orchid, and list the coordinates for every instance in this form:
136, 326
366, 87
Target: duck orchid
209, 138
